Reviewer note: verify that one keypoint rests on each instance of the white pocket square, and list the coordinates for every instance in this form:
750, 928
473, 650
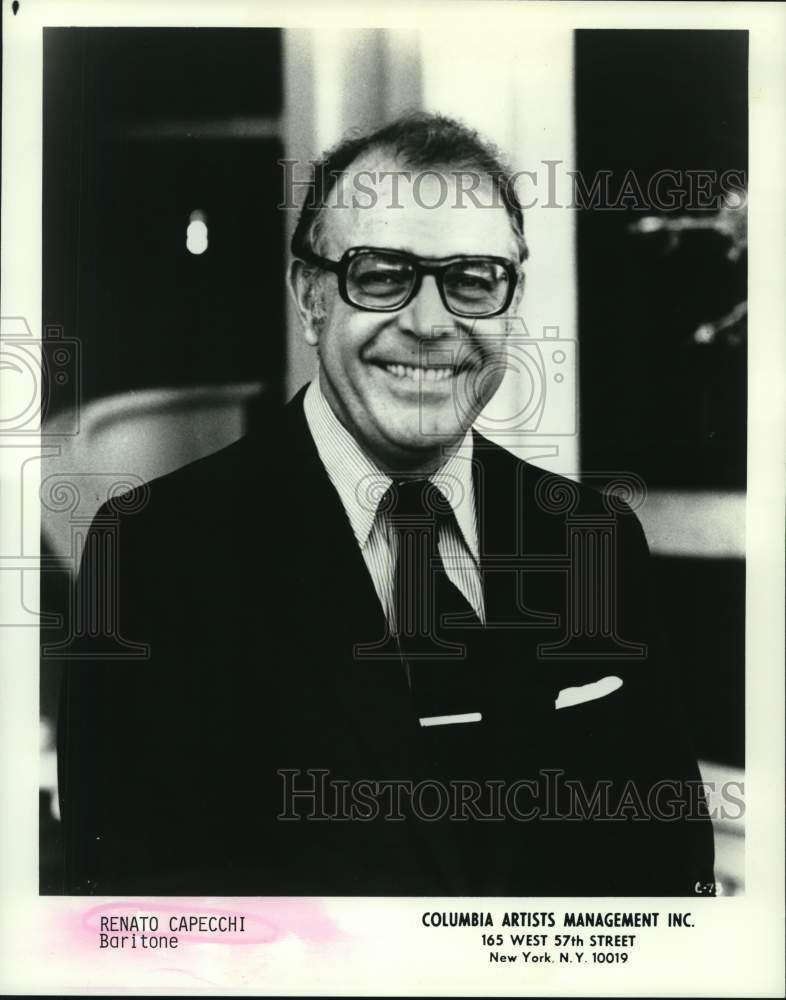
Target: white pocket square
569, 697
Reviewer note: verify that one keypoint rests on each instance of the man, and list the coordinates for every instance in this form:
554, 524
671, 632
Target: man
365, 621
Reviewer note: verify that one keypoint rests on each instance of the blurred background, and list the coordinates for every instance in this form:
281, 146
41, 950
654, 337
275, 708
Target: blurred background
165, 242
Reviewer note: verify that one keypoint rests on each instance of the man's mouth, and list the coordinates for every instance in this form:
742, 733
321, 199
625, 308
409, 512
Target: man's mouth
417, 373
423, 373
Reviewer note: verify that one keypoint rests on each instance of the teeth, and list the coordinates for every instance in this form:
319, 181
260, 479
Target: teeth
416, 373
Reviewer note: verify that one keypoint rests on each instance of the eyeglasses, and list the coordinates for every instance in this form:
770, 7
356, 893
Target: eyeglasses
470, 285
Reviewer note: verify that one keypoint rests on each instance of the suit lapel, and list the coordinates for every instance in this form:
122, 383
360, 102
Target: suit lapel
371, 690
343, 606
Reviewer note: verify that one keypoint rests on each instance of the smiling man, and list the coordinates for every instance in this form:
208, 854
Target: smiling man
421, 262
386, 656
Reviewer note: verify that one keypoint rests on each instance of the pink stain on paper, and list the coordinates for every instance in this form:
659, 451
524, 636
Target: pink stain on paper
148, 926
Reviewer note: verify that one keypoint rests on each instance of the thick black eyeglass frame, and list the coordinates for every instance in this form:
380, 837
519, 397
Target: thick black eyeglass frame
422, 266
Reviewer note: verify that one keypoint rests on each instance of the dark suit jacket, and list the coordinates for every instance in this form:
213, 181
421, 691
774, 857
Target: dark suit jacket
242, 575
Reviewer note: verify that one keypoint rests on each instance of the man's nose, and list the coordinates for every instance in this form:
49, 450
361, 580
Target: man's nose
426, 315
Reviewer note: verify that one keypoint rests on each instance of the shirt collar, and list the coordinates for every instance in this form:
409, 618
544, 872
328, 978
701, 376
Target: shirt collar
360, 484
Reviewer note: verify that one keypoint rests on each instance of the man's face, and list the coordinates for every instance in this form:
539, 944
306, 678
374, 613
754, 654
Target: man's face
385, 373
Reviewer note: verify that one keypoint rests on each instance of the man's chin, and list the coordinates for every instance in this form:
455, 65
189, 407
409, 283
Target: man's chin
424, 449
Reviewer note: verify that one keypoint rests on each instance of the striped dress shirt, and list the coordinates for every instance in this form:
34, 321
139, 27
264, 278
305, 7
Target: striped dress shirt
361, 485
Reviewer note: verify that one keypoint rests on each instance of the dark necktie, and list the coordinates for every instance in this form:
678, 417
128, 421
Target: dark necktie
431, 612
435, 628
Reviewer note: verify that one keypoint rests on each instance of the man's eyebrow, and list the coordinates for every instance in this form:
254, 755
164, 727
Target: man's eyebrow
513, 257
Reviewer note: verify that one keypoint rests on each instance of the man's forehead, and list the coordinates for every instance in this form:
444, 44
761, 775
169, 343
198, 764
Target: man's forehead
383, 200
381, 179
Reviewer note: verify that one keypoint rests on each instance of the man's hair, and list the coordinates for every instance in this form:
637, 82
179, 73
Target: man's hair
420, 140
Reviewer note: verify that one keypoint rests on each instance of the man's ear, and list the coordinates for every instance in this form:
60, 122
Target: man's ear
301, 290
